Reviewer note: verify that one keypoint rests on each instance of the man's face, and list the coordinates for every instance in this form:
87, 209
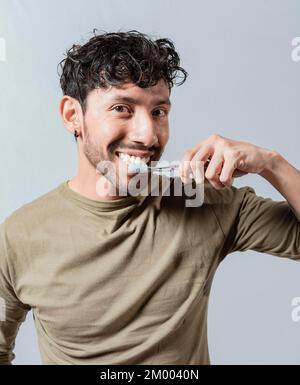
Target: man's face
129, 120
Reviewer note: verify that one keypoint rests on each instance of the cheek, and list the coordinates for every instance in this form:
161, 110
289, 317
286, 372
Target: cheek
91, 119
104, 129
163, 136
111, 133
109, 130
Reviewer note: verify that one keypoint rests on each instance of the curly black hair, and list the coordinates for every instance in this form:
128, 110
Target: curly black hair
112, 59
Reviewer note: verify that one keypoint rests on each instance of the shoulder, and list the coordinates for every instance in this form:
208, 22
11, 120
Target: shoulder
31, 214
208, 195
226, 196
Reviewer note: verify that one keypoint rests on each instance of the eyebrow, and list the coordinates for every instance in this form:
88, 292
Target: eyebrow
128, 99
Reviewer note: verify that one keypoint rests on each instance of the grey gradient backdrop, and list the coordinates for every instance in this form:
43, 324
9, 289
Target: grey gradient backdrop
243, 84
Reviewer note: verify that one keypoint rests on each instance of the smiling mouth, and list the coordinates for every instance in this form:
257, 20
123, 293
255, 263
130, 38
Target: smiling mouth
130, 159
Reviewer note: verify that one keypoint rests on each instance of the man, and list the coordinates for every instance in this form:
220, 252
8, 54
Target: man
125, 279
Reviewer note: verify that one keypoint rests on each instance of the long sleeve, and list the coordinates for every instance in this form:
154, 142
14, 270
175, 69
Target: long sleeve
251, 222
13, 312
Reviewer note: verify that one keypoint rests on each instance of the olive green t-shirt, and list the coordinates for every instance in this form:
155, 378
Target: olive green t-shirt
128, 281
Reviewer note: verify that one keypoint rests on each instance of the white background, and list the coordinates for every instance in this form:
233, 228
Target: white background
243, 84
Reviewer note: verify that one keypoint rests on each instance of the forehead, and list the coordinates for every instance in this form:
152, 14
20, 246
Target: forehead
157, 94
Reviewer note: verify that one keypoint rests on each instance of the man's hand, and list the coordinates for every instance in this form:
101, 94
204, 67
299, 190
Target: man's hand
223, 160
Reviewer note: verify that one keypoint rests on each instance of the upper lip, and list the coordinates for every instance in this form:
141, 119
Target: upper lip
141, 154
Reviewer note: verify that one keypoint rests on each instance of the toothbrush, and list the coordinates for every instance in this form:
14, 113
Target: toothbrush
140, 167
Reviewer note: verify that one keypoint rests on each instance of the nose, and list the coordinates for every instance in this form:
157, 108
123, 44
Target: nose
144, 131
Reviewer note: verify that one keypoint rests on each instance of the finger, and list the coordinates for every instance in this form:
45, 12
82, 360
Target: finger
197, 167
230, 171
184, 171
239, 169
204, 153
213, 171
184, 168
226, 176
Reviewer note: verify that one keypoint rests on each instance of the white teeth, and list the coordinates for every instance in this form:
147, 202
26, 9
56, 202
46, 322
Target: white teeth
133, 159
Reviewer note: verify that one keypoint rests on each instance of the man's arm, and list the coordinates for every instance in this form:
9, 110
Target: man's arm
248, 221
12, 310
251, 222
285, 178
229, 158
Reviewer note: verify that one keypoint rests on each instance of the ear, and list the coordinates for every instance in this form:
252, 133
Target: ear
71, 113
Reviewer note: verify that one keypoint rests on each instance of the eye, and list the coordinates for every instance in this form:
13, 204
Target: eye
160, 112
121, 108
